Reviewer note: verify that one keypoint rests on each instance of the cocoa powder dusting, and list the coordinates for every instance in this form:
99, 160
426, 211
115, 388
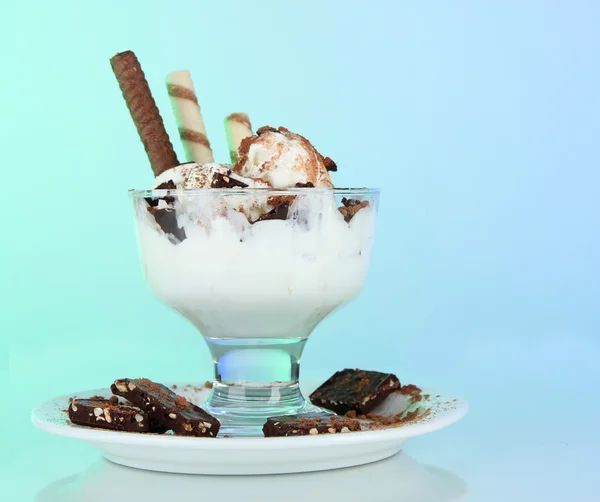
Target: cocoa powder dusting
410, 390
181, 403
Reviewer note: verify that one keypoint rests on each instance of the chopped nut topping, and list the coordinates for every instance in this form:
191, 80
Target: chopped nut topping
120, 386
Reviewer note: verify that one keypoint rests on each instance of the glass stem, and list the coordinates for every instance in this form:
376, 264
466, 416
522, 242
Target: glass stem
255, 379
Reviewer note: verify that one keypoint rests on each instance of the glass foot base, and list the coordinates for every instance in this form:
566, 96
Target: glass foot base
243, 409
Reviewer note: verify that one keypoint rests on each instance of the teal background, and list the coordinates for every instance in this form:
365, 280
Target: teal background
478, 119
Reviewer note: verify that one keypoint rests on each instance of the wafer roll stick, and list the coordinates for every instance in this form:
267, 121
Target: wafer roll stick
144, 112
237, 127
189, 118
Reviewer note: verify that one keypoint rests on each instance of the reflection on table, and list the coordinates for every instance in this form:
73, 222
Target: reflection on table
399, 478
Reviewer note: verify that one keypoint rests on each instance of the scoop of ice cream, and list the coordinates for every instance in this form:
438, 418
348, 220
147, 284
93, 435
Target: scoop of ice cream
191, 176
283, 159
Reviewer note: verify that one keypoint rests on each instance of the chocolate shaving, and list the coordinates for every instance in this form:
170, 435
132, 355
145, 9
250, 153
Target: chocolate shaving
167, 220
305, 185
264, 129
278, 213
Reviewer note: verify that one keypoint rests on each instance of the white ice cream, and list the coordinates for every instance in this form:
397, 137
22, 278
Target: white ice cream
273, 279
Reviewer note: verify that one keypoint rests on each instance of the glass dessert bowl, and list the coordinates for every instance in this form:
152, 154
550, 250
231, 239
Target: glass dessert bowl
255, 270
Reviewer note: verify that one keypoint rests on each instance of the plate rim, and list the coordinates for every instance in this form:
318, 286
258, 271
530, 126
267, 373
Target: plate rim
101, 436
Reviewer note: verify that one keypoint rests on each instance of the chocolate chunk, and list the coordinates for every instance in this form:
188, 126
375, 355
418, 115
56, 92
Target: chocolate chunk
167, 408
167, 185
167, 220
278, 213
308, 425
305, 185
330, 165
355, 390
264, 129
226, 181
350, 207
104, 413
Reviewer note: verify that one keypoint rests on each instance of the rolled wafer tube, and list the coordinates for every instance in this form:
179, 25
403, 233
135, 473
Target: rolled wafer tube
189, 118
144, 112
237, 127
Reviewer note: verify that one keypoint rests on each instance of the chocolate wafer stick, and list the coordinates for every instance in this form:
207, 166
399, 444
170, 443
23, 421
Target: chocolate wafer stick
144, 112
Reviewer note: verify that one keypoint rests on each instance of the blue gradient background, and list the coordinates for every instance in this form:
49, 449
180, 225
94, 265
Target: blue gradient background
478, 119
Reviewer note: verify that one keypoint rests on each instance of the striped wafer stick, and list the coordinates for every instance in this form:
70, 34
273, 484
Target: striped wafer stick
237, 127
189, 118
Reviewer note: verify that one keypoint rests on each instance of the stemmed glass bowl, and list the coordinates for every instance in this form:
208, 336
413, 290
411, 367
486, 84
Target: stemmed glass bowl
255, 270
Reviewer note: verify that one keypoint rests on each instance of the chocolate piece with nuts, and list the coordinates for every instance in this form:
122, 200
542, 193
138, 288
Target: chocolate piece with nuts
221, 180
355, 390
308, 425
110, 414
167, 408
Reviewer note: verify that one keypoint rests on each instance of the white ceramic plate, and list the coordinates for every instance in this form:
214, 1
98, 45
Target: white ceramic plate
168, 453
